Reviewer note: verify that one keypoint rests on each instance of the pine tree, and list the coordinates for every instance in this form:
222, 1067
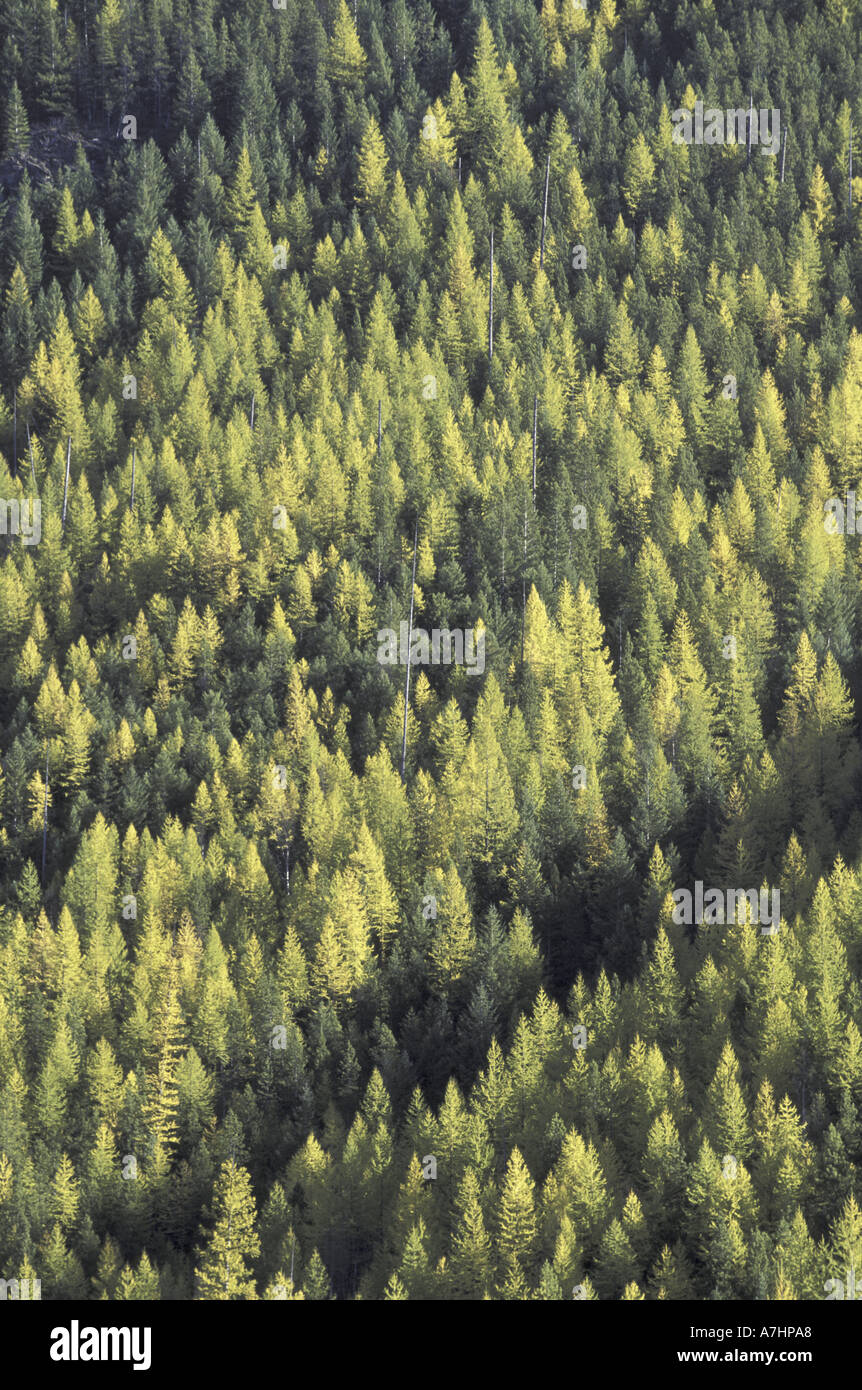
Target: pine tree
345, 60
489, 120
18, 337
223, 1270
454, 941
16, 126
517, 1232
639, 175
371, 176
167, 1039
471, 1259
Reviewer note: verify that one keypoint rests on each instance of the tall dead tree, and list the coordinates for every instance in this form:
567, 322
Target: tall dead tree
545, 211
30, 450
66, 483
783, 153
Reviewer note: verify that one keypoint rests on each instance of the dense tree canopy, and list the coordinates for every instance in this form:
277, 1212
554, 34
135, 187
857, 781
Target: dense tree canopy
315, 986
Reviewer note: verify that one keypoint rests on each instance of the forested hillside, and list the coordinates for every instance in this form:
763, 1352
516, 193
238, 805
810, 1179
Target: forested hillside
317, 319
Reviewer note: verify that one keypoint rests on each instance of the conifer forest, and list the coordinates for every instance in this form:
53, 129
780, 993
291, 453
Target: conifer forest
430, 671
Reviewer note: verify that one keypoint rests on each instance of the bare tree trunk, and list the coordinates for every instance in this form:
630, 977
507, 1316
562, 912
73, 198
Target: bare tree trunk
66, 482
545, 212
783, 154
30, 448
